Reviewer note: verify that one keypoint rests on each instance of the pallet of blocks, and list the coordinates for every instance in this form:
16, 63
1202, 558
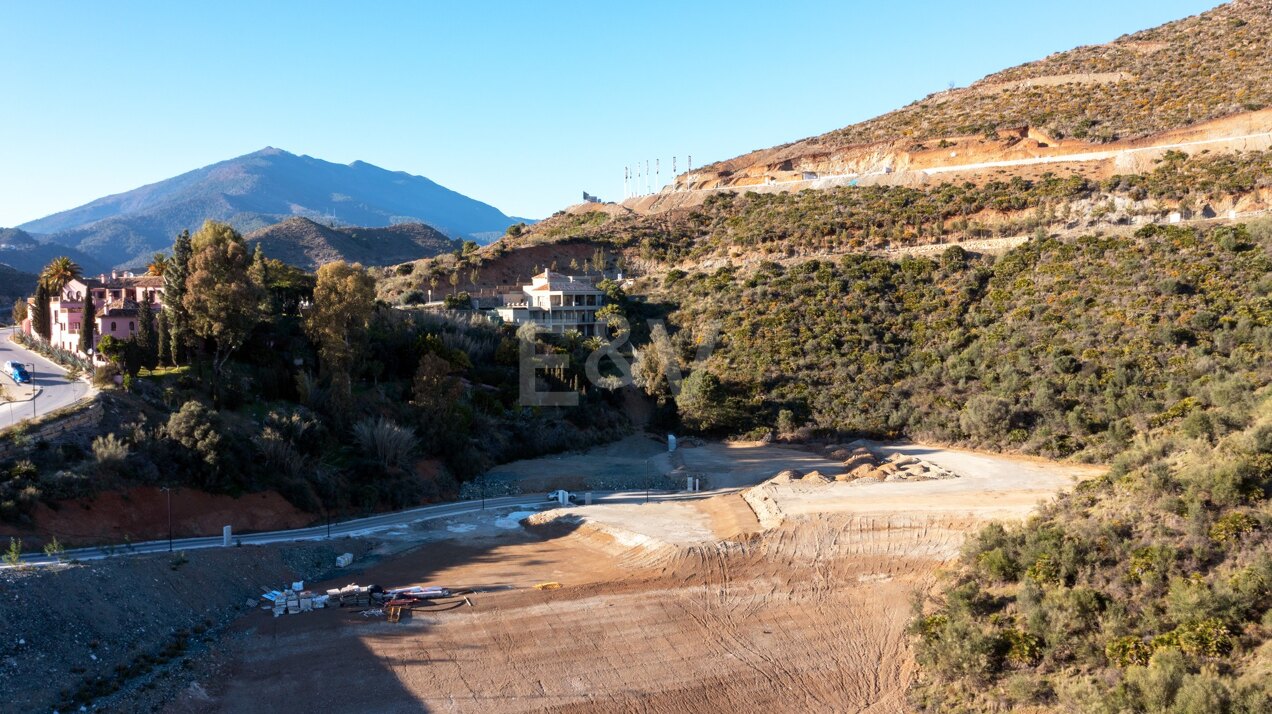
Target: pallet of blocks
351, 595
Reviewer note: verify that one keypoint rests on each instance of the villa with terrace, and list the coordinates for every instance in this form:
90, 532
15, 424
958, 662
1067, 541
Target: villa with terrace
556, 302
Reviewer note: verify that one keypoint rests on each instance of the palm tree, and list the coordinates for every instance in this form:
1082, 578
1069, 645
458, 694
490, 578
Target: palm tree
158, 265
58, 273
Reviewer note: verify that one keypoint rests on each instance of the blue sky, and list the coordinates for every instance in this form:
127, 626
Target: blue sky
519, 104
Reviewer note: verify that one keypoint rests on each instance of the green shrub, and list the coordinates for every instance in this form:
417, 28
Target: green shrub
1128, 650
1207, 638
1232, 526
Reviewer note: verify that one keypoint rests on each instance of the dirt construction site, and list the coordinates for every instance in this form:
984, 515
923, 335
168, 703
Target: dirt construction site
786, 588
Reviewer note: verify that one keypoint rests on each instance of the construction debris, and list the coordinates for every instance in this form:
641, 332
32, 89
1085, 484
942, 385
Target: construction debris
351, 595
295, 599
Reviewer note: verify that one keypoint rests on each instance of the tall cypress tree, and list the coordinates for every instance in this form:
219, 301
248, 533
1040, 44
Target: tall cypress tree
147, 342
88, 323
174, 290
164, 355
41, 320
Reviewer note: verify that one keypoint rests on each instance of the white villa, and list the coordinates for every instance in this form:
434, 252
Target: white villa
558, 303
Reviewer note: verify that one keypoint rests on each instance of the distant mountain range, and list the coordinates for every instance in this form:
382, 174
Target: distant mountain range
253, 192
307, 244
27, 253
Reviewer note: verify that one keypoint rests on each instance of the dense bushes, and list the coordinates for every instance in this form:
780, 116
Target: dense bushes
1147, 590
1056, 348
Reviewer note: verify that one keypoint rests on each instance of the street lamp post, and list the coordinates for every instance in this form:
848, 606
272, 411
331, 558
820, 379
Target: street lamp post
31, 374
168, 490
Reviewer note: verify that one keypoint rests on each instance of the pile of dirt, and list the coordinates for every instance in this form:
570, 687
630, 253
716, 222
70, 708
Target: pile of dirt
816, 478
862, 466
760, 499
120, 627
786, 476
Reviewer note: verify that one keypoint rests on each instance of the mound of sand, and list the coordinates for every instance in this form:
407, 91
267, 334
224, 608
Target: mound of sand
786, 476
816, 477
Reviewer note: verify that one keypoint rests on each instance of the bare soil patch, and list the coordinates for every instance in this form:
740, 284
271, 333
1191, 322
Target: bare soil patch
686, 605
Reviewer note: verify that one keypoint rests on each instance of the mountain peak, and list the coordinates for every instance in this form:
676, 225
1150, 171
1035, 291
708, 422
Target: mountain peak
257, 190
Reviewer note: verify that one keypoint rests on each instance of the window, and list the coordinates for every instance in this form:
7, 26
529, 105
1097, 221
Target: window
130, 326
112, 327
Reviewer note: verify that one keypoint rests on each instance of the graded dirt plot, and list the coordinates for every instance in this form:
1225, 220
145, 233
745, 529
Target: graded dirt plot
803, 618
692, 604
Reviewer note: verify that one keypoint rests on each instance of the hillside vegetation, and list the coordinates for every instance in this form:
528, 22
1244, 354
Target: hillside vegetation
14, 285
779, 225
1147, 590
306, 244
1055, 348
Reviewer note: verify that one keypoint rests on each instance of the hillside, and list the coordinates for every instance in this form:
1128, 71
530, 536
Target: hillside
305, 244
257, 190
1191, 74
25, 252
14, 284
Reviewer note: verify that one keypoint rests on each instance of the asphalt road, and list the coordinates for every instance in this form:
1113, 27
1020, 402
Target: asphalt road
361, 526
56, 391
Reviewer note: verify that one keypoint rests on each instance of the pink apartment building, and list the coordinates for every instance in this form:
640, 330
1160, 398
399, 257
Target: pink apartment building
116, 299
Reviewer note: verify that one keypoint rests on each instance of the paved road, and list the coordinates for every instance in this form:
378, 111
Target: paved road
359, 527
56, 391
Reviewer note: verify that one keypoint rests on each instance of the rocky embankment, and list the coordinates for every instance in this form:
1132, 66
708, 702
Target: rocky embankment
120, 632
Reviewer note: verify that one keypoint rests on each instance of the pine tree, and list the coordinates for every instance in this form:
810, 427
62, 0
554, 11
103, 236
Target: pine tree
88, 324
174, 290
259, 271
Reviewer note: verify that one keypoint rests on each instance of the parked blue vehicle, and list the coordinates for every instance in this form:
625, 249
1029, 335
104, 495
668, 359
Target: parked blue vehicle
18, 372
